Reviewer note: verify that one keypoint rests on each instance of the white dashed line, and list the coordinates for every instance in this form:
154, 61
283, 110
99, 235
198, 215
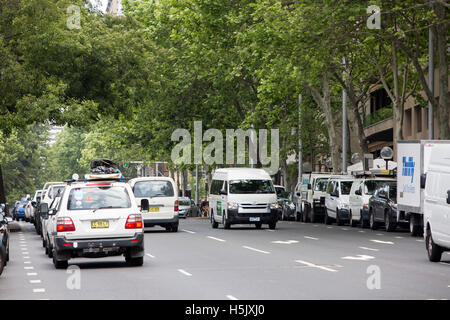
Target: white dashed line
231, 297
361, 257
256, 250
28, 268
309, 264
311, 238
370, 249
27, 262
185, 272
361, 231
188, 231
398, 237
384, 242
40, 290
217, 239
35, 281
32, 274
149, 255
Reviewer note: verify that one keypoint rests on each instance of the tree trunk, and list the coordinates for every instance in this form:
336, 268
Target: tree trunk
2, 188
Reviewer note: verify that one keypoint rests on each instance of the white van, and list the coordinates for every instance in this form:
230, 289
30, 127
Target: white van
337, 203
242, 196
362, 190
436, 206
161, 193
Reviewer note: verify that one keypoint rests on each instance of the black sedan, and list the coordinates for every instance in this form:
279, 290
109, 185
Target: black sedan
286, 206
383, 208
4, 241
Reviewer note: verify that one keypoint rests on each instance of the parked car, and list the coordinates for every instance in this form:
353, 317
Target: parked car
161, 193
286, 205
184, 207
242, 196
362, 190
4, 241
337, 200
19, 212
383, 207
32, 204
97, 219
53, 192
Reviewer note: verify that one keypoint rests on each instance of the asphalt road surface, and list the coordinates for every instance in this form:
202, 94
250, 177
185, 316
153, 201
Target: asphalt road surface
295, 261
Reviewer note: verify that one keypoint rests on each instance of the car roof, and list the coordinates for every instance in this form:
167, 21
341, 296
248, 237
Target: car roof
243, 173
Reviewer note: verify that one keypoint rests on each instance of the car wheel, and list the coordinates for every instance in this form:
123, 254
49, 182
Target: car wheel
174, 228
352, 222
338, 219
272, 225
433, 250
372, 222
313, 216
414, 226
135, 262
60, 264
363, 222
389, 223
327, 217
214, 224
2, 260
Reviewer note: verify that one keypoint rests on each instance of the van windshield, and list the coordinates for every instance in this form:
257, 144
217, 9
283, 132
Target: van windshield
153, 188
372, 185
321, 184
251, 186
88, 198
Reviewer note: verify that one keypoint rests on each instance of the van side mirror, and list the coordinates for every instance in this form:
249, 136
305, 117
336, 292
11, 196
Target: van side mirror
145, 205
223, 192
358, 192
382, 194
423, 180
43, 208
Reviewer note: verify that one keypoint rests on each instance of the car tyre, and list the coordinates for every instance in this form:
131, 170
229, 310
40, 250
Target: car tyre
2, 260
390, 225
433, 250
327, 217
214, 223
353, 223
59, 264
135, 262
272, 225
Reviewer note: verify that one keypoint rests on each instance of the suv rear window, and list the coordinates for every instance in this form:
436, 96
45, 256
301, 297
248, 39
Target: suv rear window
155, 188
87, 198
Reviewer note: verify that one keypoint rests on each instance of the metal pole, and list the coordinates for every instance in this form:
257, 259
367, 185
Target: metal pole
344, 128
430, 83
300, 138
196, 184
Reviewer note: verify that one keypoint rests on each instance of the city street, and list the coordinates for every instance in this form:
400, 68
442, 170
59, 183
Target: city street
295, 261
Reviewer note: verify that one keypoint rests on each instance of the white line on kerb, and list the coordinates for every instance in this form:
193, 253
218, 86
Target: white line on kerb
188, 231
217, 239
185, 273
309, 264
311, 238
257, 250
231, 297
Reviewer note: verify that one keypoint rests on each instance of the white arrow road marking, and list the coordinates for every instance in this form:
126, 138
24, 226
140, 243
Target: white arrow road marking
285, 242
384, 242
361, 257
370, 249
309, 264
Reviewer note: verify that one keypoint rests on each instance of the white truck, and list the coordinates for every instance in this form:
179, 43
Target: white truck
413, 157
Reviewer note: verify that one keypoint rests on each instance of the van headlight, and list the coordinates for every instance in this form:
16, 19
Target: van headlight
274, 205
232, 206
344, 206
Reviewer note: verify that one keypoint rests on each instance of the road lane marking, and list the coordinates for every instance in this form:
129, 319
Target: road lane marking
370, 249
420, 240
148, 254
35, 281
380, 234
185, 272
311, 238
40, 290
285, 242
217, 239
361, 257
361, 231
309, 264
329, 227
231, 297
270, 230
32, 274
27, 262
384, 242
26, 257
345, 229
398, 237
28, 268
256, 250
188, 231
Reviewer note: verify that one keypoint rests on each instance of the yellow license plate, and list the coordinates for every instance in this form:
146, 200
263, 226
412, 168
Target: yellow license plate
154, 209
99, 224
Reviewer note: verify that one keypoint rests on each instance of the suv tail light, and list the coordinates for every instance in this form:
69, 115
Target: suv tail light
134, 221
64, 224
175, 207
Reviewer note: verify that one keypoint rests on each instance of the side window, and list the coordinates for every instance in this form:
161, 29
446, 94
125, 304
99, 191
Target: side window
330, 187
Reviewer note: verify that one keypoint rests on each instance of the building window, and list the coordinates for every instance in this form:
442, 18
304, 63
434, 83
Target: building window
418, 114
407, 123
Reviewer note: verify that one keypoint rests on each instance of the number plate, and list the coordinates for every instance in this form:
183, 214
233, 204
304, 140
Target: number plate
153, 209
99, 224
255, 219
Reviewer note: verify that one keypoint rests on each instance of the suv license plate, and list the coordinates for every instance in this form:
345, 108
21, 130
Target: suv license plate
255, 219
99, 224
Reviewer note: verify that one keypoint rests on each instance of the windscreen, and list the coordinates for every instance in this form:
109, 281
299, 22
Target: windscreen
88, 198
251, 186
321, 184
150, 189
56, 191
373, 185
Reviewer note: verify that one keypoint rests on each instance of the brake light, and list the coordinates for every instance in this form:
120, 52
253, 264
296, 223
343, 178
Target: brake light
175, 207
64, 224
134, 221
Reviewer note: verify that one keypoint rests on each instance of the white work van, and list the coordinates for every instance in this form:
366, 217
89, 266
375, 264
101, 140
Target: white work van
337, 203
413, 158
242, 196
436, 205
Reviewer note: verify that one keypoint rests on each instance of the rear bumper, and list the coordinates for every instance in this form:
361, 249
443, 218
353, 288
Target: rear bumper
100, 247
160, 222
